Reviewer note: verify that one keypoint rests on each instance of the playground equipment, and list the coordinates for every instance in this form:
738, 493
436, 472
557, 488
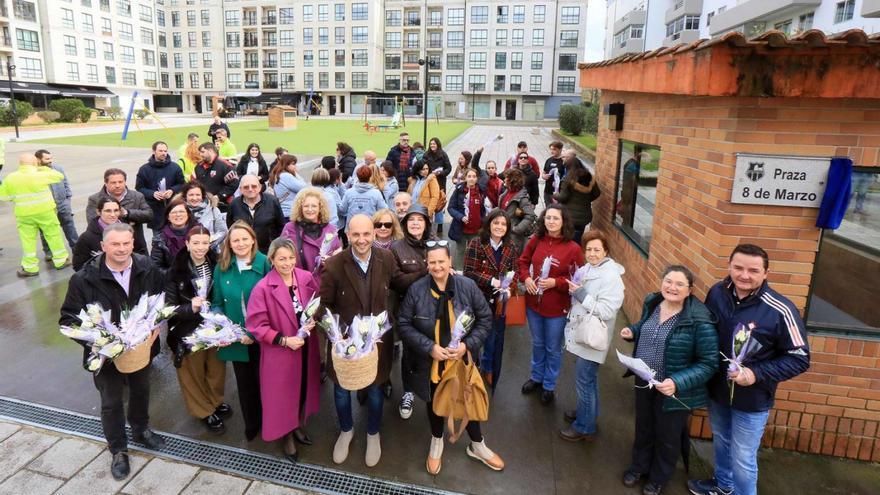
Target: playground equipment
131, 113
398, 118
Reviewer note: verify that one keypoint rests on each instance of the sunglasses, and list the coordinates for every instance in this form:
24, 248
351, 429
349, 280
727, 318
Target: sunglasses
383, 225
524, 158
441, 243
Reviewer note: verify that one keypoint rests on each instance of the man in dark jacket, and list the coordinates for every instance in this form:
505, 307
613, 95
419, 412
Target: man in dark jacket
116, 280
217, 125
551, 179
356, 282
400, 155
530, 177
769, 330
158, 180
262, 211
217, 175
134, 209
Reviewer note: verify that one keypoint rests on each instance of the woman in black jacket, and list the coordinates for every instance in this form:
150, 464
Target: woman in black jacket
438, 160
427, 316
253, 163
88, 245
347, 160
577, 192
171, 239
201, 375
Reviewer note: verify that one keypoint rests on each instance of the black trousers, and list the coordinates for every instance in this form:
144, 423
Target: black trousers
111, 385
247, 379
657, 445
438, 423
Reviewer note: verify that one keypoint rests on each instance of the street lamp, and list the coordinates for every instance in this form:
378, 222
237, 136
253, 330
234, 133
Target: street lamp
9, 69
429, 64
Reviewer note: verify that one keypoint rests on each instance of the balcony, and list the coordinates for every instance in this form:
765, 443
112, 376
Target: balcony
4, 11
411, 66
414, 22
685, 7
633, 17
269, 21
687, 36
249, 21
251, 64
270, 64
252, 84
270, 84
412, 86
755, 13
870, 8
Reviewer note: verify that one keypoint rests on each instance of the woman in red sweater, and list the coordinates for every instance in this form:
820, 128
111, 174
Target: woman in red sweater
548, 300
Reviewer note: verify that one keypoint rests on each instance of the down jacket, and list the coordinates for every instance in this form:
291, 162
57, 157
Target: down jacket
601, 292
691, 354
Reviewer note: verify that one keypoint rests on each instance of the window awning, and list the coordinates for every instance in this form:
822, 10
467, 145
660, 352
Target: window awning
76, 91
28, 87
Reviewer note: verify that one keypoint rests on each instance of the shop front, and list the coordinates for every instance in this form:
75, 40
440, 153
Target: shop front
708, 145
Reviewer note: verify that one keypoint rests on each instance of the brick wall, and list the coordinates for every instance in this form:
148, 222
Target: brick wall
833, 409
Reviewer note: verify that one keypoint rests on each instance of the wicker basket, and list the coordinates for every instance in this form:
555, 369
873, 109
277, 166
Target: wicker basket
138, 357
355, 374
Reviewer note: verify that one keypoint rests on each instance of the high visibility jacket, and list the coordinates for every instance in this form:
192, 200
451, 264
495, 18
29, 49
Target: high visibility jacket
186, 165
28, 189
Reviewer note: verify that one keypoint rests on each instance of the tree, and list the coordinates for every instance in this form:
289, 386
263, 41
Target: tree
69, 108
572, 118
23, 110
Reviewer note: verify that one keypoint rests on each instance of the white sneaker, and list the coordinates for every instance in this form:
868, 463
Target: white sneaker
406, 405
340, 450
435, 454
479, 451
374, 450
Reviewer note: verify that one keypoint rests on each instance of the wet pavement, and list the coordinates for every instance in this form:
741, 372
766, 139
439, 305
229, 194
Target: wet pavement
40, 365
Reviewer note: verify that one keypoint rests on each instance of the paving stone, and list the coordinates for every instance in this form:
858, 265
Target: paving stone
21, 448
66, 457
263, 488
95, 478
161, 476
7, 429
211, 483
31, 483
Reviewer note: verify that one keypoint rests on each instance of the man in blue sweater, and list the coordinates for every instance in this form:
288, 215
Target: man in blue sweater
775, 351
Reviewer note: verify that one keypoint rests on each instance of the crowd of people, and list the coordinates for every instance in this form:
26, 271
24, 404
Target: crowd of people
257, 232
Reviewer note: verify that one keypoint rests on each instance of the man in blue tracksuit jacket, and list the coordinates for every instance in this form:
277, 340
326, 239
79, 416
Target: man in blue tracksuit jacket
777, 351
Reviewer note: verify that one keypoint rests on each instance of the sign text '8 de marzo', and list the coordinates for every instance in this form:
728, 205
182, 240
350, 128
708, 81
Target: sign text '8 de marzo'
780, 180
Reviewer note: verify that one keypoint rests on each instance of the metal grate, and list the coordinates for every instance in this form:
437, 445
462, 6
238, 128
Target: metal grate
239, 461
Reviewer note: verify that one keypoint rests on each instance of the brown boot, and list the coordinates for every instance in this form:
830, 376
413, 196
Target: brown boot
289, 447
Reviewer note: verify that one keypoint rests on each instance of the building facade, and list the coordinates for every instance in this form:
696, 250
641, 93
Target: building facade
635, 26
507, 59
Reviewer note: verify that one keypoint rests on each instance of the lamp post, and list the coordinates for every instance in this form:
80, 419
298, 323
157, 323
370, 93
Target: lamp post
9, 69
473, 102
429, 64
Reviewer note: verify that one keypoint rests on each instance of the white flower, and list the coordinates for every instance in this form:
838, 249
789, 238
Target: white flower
94, 364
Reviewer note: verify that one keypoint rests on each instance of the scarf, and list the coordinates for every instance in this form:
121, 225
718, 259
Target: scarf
417, 188
175, 239
312, 230
444, 323
505, 201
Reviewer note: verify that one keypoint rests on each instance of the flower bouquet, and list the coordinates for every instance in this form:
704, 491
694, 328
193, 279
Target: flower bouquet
216, 330
643, 371
463, 324
201, 286
308, 314
741, 344
548, 262
324, 250
493, 139
354, 353
162, 188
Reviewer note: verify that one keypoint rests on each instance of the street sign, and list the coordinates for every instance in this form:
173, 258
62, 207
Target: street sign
780, 180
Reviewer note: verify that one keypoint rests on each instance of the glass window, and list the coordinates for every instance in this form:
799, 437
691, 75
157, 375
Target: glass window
516, 83
209, 80
30, 68
455, 39
537, 60
108, 51
126, 31
359, 35
285, 15
519, 14
323, 16
393, 18
232, 18
288, 60
568, 39
308, 36
571, 15
501, 14
72, 71
359, 58
392, 40
205, 17
67, 20
88, 26
500, 37
535, 83
359, 80
843, 295
565, 84
233, 40
477, 60
339, 80
207, 61
540, 13
27, 40
323, 58
844, 11
537, 37
392, 83
90, 49
123, 8
479, 37
110, 75
339, 58
146, 36
339, 35
638, 166
392, 61
308, 58
308, 15
500, 60
359, 12
194, 80
436, 18
25, 11
129, 77
516, 59
518, 35
567, 61
339, 12
499, 83
479, 15
455, 17
454, 83
148, 57
323, 36
455, 61
126, 54
286, 37
92, 73
233, 60
477, 82
233, 81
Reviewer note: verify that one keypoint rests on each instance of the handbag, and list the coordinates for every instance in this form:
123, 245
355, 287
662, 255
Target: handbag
441, 203
515, 310
461, 395
587, 329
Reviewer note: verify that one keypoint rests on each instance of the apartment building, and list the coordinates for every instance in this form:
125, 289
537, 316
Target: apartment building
509, 59
634, 26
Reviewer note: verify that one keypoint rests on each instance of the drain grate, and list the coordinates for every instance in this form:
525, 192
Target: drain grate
220, 457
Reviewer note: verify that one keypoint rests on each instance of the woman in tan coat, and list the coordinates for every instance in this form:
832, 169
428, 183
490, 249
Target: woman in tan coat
424, 188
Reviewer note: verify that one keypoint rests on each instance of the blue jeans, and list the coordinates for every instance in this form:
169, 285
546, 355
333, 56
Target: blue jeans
547, 334
587, 382
736, 438
493, 348
375, 399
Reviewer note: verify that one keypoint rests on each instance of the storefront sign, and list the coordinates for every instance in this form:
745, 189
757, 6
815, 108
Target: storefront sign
779, 180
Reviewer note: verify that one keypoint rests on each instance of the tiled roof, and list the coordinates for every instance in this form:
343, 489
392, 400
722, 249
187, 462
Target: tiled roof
808, 65
813, 38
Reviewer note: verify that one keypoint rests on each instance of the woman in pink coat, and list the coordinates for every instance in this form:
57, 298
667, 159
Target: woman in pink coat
308, 228
290, 369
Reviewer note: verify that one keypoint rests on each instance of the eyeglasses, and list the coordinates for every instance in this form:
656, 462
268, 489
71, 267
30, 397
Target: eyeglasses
383, 225
441, 243
678, 285
252, 186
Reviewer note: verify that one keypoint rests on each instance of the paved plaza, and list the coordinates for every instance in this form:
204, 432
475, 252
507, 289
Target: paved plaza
41, 366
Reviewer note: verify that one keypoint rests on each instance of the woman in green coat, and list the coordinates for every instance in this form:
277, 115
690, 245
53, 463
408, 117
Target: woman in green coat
239, 269
677, 338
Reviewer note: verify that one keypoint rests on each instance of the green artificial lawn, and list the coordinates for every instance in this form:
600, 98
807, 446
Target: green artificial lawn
312, 137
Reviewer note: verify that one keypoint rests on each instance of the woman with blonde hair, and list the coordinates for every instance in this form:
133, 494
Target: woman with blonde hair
387, 228
240, 267
309, 228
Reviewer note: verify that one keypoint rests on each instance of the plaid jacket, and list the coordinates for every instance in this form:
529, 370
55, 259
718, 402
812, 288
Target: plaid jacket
480, 266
